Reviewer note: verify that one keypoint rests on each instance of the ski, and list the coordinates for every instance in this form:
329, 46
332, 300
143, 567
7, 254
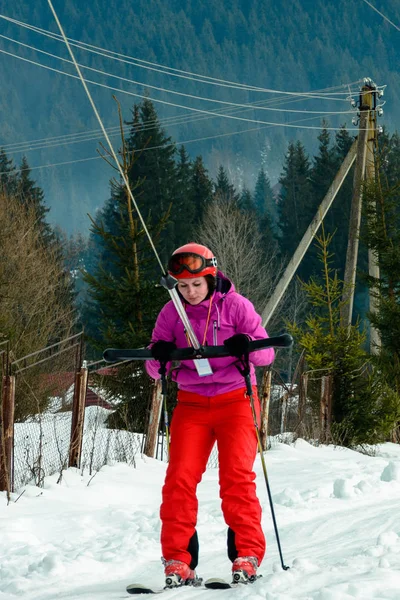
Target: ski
211, 584
218, 584
139, 588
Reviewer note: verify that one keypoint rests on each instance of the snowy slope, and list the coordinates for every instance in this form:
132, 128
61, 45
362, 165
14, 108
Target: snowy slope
338, 514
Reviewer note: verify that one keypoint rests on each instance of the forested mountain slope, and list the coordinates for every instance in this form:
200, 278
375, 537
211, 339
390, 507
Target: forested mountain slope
297, 45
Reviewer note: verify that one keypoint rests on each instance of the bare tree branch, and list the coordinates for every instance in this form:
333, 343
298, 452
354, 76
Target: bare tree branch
236, 240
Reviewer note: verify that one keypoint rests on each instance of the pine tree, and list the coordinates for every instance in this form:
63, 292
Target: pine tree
343, 142
223, 189
121, 307
264, 200
154, 171
389, 157
19, 184
339, 213
383, 238
124, 297
201, 189
122, 283
362, 412
246, 203
8, 176
184, 209
324, 168
30, 194
294, 202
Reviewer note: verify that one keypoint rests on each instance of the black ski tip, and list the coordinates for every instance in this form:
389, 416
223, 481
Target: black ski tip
217, 584
138, 588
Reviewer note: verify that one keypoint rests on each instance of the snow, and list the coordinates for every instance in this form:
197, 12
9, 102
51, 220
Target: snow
86, 538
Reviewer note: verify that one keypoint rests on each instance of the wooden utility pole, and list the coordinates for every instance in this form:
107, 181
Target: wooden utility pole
362, 151
355, 220
364, 170
373, 265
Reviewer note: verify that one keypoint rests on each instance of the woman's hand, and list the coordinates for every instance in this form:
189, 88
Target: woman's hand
162, 350
238, 344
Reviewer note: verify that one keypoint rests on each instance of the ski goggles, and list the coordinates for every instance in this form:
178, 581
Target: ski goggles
193, 263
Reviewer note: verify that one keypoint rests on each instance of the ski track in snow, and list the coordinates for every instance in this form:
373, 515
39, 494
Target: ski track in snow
338, 514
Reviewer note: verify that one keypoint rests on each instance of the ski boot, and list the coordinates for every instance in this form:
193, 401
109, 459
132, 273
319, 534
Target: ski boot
244, 569
178, 573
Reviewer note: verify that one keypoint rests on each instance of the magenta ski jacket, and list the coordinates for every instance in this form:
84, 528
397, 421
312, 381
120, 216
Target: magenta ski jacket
230, 313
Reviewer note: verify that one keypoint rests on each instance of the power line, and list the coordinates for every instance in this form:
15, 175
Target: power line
148, 148
171, 71
174, 92
92, 135
112, 131
167, 121
382, 15
213, 113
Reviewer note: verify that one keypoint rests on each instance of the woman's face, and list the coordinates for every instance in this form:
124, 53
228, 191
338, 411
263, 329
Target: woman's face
194, 290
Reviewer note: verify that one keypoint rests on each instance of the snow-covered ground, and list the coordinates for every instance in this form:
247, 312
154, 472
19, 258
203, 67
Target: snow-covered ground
338, 514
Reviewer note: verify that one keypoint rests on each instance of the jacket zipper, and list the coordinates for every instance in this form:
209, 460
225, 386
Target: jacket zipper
215, 333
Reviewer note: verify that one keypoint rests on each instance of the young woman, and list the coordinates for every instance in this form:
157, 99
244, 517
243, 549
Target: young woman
212, 407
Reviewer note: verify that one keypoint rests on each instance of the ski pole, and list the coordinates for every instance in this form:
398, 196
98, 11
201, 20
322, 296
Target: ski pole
163, 373
249, 391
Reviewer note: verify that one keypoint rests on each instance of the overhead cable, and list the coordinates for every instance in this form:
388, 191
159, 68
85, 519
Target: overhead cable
168, 70
92, 135
382, 15
174, 92
148, 148
142, 96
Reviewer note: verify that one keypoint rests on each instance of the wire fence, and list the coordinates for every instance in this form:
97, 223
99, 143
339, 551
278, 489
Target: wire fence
44, 389
117, 407
5, 444
61, 418
301, 408
103, 445
116, 428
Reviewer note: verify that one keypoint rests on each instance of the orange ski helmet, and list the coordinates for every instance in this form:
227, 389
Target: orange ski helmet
192, 260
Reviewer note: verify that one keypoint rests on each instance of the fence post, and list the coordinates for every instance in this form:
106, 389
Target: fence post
7, 435
302, 403
78, 417
284, 401
326, 407
154, 421
265, 401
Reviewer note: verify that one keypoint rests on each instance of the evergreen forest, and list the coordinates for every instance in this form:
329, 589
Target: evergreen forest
297, 47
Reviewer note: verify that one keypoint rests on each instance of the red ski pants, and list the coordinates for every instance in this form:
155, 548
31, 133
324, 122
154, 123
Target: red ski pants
198, 421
